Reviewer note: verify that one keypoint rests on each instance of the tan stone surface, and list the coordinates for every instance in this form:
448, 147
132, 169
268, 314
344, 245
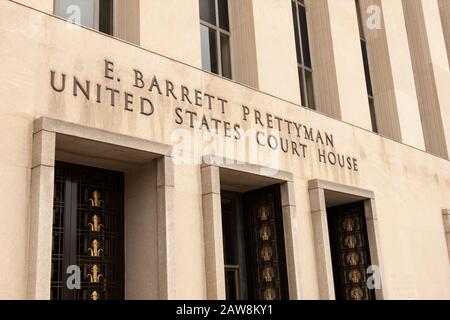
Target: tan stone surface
275, 55
402, 74
351, 84
323, 59
411, 187
43, 5
141, 267
178, 39
431, 70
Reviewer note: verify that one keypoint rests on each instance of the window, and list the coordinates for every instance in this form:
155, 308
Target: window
303, 53
215, 37
95, 14
373, 118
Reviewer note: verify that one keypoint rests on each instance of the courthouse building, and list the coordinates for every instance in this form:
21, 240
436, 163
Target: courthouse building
225, 149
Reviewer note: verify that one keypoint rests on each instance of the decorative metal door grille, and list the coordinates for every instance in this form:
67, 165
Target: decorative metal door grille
265, 244
57, 283
88, 232
350, 251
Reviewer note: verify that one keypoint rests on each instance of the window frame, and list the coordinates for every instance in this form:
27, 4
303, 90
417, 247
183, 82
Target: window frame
367, 73
219, 31
301, 66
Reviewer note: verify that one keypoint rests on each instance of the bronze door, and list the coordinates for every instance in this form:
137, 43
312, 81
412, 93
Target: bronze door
350, 251
88, 233
253, 241
266, 267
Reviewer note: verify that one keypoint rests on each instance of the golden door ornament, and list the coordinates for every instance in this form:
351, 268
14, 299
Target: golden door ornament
95, 250
263, 213
95, 225
269, 294
266, 253
353, 259
350, 242
355, 276
95, 200
95, 295
356, 294
348, 224
268, 274
265, 233
95, 276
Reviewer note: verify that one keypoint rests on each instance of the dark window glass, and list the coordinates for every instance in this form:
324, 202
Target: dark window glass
296, 32
302, 85
303, 54
305, 39
233, 248
366, 68
226, 55
106, 17
208, 11
309, 89
209, 49
360, 25
232, 282
373, 116
223, 15
215, 37
230, 220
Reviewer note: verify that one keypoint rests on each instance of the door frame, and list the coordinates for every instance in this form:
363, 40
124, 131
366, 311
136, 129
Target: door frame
317, 190
251, 233
49, 135
332, 212
212, 222
70, 214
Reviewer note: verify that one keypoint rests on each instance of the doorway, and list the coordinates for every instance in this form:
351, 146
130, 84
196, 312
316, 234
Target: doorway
350, 251
253, 244
88, 233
